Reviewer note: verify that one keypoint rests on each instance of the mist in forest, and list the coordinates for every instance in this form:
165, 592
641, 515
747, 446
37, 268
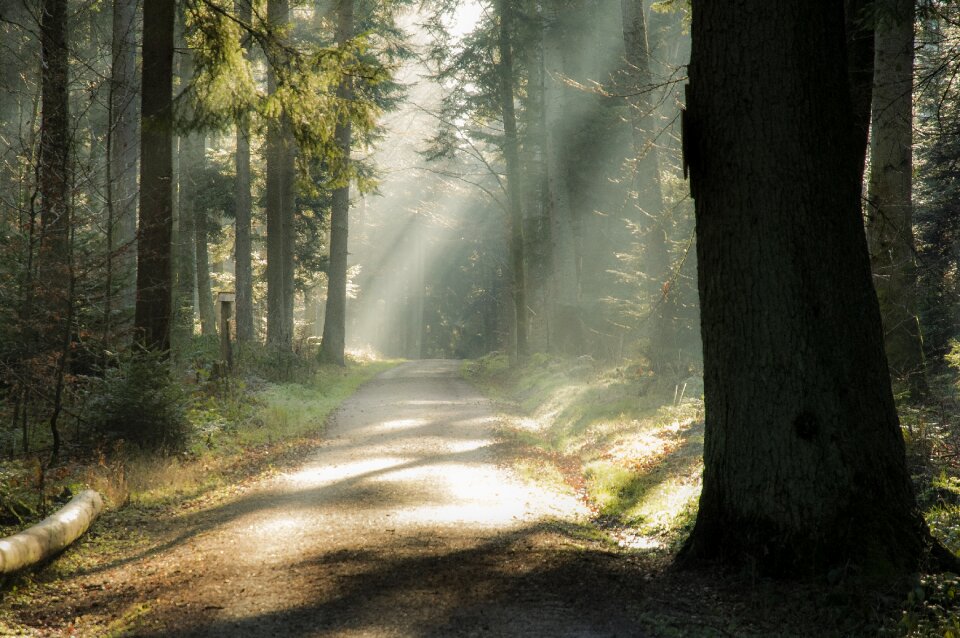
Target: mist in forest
431, 245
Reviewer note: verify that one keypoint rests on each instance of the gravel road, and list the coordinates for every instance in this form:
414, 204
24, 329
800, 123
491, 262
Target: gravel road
405, 523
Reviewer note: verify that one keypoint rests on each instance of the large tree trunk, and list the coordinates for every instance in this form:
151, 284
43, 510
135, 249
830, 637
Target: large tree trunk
281, 154
804, 465
154, 276
889, 198
334, 320
122, 186
859, 21
54, 169
243, 246
54, 273
511, 154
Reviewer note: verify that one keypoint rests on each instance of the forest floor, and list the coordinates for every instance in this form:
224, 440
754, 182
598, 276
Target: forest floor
410, 518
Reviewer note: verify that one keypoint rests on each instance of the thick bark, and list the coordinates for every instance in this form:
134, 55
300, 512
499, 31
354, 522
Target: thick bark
54, 273
645, 186
804, 466
243, 247
123, 151
54, 170
859, 33
334, 320
889, 197
280, 210
154, 276
511, 154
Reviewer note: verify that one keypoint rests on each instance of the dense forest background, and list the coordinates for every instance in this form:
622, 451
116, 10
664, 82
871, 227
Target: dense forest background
515, 190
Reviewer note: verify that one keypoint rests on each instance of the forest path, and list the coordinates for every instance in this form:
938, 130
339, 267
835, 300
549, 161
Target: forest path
403, 524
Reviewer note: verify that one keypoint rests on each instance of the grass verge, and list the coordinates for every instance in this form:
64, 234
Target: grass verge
628, 444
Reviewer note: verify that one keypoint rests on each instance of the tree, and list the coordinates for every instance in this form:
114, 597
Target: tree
333, 341
243, 247
55, 276
890, 194
514, 189
280, 154
154, 276
189, 158
804, 466
122, 164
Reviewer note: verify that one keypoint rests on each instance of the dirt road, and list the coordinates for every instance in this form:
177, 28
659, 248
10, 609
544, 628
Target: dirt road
405, 523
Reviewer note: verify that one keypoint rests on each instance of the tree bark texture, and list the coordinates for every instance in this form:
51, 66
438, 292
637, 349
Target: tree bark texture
123, 125
154, 275
281, 154
334, 320
54, 173
243, 247
889, 196
190, 157
201, 229
859, 32
804, 466
511, 152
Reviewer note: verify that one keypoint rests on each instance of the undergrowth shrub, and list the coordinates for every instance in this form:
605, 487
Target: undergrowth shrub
138, 401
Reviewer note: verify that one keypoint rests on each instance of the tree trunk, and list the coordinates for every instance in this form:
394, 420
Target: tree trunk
201, 229
536, 223
54, 274
889, 198
54, 169
334, 320
190, 159
243, 247
280, 210
859, 17
123, 152
514, 187
154, 276
804, 467
51, 535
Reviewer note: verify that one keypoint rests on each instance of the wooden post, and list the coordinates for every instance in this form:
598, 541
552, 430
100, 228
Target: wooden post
226, 299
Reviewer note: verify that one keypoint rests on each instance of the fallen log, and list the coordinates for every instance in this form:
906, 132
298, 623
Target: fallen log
51, 535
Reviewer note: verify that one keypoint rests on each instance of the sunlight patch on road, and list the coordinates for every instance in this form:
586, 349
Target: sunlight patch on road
469, 498
398, 424
458, 447
317, 475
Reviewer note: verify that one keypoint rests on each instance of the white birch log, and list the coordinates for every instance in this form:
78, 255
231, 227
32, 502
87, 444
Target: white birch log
51, 535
